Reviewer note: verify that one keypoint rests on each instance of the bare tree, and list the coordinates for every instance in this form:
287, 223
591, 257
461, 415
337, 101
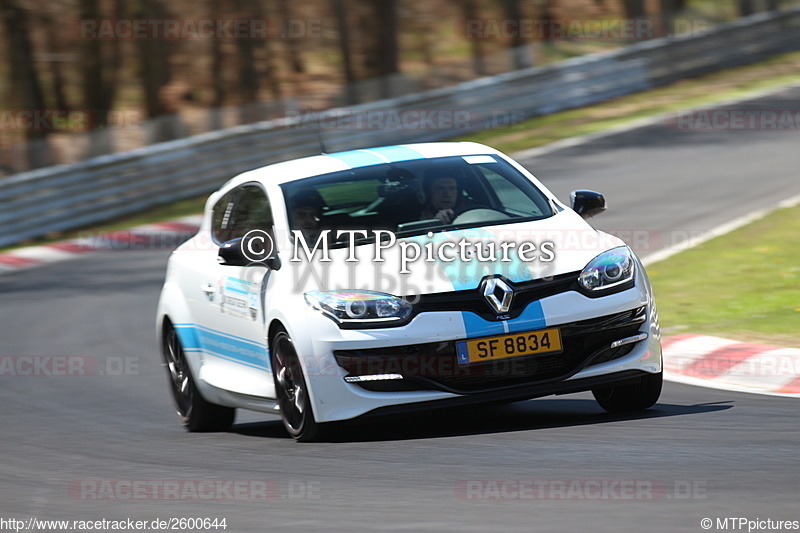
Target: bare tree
546, 19
249, 84
53, 45
381, 50
28, 92
100, 61
634, 9
155, 73
345, 51
292, 41
470, 11
217, 64
668, 9
520, 56
746, 8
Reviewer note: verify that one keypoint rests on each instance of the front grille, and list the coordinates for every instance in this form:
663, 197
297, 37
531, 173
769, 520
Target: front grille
433, 366
472, 300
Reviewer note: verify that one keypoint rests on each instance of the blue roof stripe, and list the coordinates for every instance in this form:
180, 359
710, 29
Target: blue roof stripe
358, 158
395, 154
377, 156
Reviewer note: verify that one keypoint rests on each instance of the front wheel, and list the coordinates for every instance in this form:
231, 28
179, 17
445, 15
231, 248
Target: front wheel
630, 398
291, 391
194, 411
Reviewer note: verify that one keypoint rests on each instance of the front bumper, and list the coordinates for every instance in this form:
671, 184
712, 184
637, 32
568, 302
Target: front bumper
422, 353
434, 366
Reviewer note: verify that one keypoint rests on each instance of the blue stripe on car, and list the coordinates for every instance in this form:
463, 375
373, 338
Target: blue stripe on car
395, 154
195, 338
476, 326
377, 156
532, 317
359, 158
188, 337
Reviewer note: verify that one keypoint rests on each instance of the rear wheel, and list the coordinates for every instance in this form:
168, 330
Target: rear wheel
194, 411
291, 390
630, 398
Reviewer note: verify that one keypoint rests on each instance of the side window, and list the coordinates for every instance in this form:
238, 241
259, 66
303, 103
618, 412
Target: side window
509, 194
239, 212
221, 217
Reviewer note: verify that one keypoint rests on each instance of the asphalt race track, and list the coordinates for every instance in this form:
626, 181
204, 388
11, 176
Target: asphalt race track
72, 446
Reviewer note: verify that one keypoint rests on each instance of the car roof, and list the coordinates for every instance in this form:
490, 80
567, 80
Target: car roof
326, 163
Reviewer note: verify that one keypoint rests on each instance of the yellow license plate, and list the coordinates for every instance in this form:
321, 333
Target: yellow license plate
512, 345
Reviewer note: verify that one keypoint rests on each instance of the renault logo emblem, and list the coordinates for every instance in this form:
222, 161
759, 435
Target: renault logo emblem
498, 294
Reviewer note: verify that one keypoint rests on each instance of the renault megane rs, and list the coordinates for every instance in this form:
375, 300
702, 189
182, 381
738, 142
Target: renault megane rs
396, 278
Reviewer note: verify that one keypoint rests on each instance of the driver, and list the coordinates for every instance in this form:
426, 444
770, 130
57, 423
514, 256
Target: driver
442, 194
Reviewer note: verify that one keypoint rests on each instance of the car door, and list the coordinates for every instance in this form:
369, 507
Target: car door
231, 327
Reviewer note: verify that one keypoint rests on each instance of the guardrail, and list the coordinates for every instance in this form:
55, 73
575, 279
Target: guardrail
35, 203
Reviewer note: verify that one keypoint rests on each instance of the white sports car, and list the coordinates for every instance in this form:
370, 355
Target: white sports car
404, 277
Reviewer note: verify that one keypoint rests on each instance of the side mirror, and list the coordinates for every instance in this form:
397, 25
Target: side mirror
587, 203
231, 254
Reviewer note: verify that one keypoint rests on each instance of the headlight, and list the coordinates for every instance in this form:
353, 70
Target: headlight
609, 269
359, 307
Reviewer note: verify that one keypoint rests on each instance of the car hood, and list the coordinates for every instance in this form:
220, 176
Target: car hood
556, 245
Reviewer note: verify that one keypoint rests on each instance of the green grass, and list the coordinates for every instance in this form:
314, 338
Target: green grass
706, 90
744, 285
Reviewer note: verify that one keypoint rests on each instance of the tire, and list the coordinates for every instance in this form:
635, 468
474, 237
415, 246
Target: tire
631, 398
292, 392
195, 412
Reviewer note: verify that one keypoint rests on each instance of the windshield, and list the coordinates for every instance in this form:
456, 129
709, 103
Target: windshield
415, 197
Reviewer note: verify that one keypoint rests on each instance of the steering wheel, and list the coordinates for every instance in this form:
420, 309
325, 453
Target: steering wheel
469, 214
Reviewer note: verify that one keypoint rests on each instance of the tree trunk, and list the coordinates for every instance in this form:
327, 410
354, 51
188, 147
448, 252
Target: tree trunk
386, 28
271, 70
668, 10
340, 14
29, 92
155, 73
746, 8
547, 19
115, 62
381, 53
470, 10
217, 72
292, 41
388, 46
634, 9
519, 55
56, 74
99, 78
